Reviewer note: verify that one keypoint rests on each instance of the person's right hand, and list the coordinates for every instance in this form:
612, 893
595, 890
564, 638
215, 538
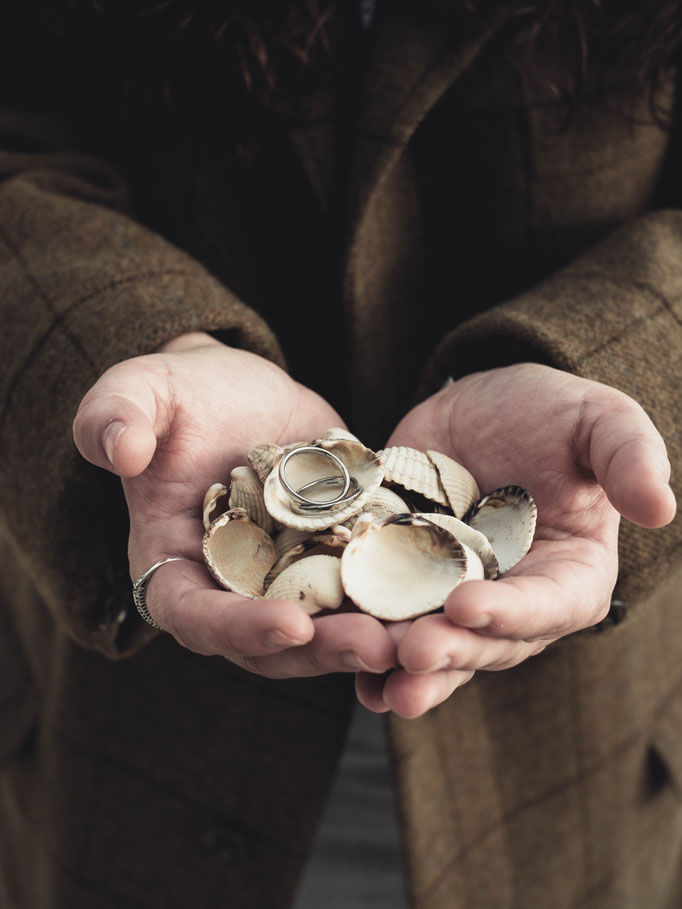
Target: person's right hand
172, 423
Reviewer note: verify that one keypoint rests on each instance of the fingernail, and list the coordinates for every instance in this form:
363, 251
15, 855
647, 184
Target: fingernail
276, 638
481, 621
351, 660
110, 437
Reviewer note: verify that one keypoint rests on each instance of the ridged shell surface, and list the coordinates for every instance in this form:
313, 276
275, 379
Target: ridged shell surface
507, 517
263, 458
238, 553
382, 502
412, 469
314, 583
402, 566
460, 486
246, 491
361, 462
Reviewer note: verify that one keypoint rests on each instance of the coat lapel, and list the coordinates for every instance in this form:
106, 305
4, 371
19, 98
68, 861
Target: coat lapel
412, 60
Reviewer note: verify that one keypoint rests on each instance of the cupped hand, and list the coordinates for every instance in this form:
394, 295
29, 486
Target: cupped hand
172, 423
588, 454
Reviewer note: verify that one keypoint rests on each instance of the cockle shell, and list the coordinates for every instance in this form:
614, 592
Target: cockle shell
216, 502
337, 432
383, 501
361, 462
238, 553
469, 537
401, 566
412, 469
246, 491
314, 583
263, 458
507, 517
460, 486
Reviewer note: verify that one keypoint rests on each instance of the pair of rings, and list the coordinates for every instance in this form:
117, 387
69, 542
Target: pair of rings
350, 488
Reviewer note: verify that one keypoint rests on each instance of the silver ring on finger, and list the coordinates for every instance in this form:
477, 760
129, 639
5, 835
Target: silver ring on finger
140, 589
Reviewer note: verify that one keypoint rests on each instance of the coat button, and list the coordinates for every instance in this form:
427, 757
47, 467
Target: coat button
226, 843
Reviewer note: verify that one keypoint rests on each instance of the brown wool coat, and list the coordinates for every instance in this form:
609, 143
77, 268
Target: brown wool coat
134, 773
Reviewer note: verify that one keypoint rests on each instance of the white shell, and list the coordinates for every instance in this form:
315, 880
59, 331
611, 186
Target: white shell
314, 583
246, 491
238, 553
337, 433
362, 464
263, 458
412, 469
401, 566
213, 506
382, 502
460, 486
469, 537
507, 517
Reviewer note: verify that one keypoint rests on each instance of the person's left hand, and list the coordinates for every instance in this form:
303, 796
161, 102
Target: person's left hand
588, 454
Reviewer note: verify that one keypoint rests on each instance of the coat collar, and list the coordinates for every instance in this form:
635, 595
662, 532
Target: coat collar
411, 62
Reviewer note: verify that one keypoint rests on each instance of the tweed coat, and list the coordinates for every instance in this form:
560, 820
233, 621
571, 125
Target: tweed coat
450, 224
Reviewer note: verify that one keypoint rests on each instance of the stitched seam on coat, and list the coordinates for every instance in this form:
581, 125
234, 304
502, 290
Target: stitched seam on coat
59, 319
623, 746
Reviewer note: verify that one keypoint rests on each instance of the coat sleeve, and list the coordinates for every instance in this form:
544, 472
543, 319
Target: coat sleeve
613, 315
82, 286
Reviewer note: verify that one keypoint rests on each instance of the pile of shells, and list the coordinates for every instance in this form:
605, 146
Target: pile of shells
326, 522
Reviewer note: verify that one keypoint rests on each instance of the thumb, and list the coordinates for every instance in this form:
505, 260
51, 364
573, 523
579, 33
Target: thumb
112, 431
629, 460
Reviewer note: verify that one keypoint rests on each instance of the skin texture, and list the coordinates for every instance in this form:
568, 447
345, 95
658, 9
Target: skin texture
588, 453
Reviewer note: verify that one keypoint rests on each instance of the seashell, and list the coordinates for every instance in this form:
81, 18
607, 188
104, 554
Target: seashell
402, 566
507, 517
361, 463
293, 554
314, 583
469, 537
413, 470
215, 503
382, 502
263, 458
460, 486
290, 536
337, 433
238, 553
246, 491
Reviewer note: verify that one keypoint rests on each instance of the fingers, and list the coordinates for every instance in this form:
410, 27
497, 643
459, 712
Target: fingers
628, 457
113, 432
434, 644
564, 587
407, 695
274, 638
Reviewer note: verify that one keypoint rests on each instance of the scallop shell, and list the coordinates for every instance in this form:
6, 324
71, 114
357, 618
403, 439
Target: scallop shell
238, 553
216, 502
413, 470
460, 487
382, 502
507, 517
314, 583
402, 566
362, 463
469, 537
337, 432
246, 491
263, 458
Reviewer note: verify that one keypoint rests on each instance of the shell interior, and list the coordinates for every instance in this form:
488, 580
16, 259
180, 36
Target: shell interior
507, 517
401, 566
238, 553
